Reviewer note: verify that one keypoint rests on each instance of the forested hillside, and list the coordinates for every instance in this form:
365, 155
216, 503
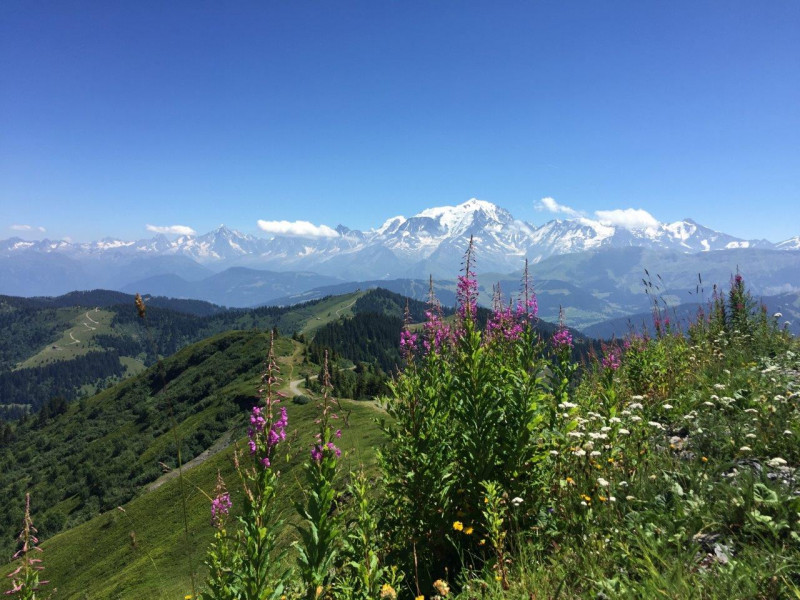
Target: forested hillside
77, 344
99, 452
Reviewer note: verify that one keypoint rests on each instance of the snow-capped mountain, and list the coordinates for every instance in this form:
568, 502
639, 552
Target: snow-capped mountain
431, 242
790, 244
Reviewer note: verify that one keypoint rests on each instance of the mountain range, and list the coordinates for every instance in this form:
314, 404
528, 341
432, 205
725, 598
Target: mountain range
231, 268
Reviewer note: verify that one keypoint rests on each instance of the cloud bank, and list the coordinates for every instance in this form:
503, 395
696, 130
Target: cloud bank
628, 218
177, 229
550, 205
302, 229
27, 228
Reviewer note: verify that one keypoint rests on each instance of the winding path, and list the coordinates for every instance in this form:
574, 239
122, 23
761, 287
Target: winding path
222, 443
339, 310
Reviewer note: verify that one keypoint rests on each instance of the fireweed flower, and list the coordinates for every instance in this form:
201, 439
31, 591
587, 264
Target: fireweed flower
467, 288
562, 338
265, 430
437, 332
612, 358
467, 292
220, 506
408, 342
25, 578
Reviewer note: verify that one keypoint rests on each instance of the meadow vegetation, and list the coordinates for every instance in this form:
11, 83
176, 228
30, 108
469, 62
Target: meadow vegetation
664, 466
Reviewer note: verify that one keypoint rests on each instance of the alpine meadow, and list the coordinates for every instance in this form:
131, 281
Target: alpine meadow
399, 301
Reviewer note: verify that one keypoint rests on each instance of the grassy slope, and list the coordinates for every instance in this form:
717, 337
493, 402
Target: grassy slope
69, 332
84, 325
141, 552
330, 310
106, 446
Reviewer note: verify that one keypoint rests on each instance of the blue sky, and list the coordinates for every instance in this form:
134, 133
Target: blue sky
115, 115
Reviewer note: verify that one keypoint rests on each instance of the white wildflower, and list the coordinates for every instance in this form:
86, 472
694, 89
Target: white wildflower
602, 482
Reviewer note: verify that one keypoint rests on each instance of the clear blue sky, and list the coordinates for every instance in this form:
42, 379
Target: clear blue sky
118, 114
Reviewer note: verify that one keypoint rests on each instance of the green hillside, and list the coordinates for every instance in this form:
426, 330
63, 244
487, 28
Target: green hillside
142, 553
98, 454
69, 347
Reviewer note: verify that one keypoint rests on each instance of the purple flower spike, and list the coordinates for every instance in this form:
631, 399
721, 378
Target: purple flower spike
562, 339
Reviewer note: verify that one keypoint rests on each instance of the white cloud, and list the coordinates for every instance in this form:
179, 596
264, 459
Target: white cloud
302, 229
177, 229
27, 228
550, 205
628, 218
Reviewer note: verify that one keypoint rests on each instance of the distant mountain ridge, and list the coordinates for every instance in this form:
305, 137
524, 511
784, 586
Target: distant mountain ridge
568, 256
431, 241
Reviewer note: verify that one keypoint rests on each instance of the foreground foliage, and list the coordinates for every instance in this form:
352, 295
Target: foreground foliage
665, 467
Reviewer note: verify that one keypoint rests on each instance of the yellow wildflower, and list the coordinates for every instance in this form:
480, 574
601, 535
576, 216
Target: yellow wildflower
468, 530
570, 481
441, 587
704, 459
387, 592
458, 525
